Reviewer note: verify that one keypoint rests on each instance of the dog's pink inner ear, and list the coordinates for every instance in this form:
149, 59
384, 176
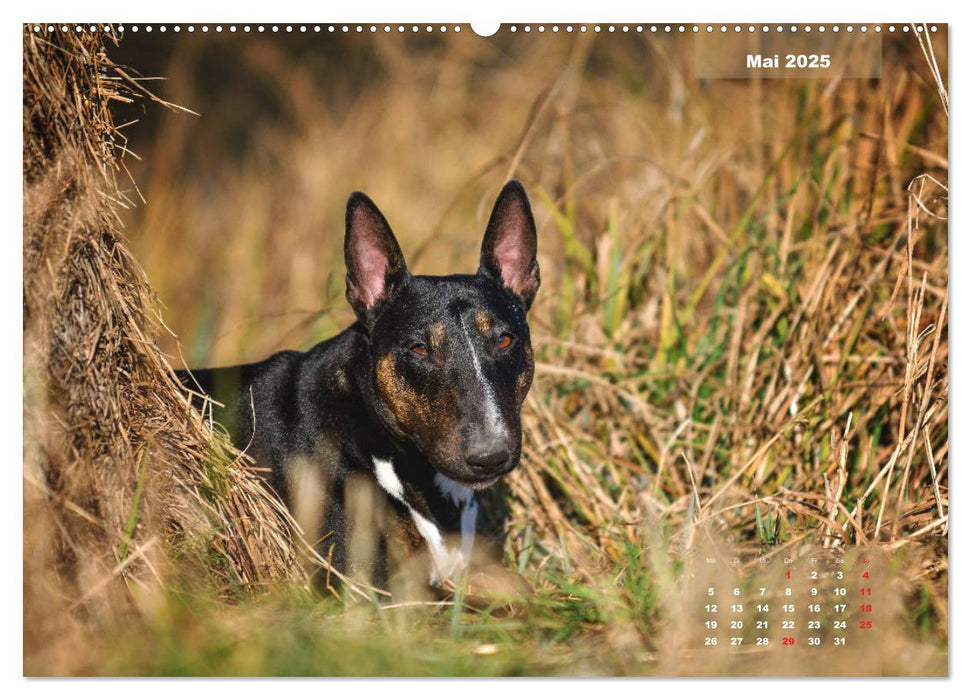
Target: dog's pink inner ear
510, 245
513, 260
370, 270
374, 261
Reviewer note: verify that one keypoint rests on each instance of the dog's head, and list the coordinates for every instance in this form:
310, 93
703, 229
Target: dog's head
451, 356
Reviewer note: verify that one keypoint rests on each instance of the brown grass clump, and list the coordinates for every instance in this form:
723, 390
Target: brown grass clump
119, 480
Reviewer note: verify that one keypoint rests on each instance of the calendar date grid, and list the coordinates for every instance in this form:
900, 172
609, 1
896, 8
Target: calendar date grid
820, 601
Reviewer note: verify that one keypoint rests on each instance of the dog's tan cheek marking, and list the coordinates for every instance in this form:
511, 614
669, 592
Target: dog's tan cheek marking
405, 405
414, 414
442, 420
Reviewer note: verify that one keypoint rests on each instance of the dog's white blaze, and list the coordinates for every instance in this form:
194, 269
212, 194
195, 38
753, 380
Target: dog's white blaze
492, 405
446, 562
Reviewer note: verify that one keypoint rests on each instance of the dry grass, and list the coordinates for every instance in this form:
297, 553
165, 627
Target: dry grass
123, 493
741, 334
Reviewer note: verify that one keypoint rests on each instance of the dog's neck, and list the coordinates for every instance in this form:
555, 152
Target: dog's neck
443, 511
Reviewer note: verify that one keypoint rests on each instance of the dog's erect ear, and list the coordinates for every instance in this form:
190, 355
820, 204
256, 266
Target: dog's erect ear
375, 265
509, 246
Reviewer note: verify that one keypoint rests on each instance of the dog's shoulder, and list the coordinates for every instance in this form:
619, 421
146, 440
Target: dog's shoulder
327, 369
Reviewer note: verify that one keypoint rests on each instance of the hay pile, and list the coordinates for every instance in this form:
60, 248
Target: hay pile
120, 479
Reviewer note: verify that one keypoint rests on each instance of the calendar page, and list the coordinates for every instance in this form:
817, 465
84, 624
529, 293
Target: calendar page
523, 349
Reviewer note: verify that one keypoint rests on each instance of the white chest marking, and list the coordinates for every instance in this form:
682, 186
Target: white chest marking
388, 479
446, 563
464, 498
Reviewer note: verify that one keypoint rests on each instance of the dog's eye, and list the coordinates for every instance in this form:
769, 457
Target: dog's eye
505, 340
419, 349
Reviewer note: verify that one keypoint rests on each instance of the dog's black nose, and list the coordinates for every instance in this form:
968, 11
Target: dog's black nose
486, 457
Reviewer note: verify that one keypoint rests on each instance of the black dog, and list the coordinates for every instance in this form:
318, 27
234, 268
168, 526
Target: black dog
421, 395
